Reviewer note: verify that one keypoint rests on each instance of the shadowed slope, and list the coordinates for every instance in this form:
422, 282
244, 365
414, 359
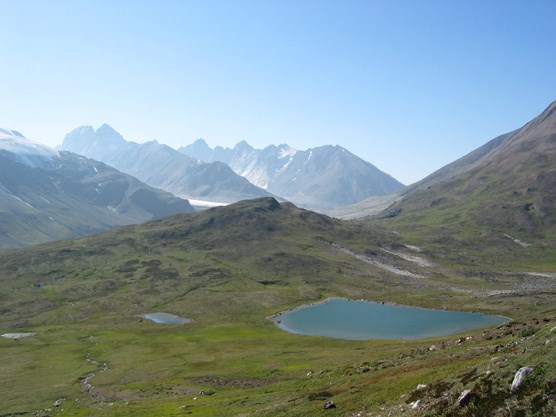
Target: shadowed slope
51, 196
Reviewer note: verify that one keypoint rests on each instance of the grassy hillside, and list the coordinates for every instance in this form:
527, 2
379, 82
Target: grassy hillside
503, 194
229, 268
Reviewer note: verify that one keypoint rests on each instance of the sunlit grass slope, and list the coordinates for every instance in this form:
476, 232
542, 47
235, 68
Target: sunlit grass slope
228, 269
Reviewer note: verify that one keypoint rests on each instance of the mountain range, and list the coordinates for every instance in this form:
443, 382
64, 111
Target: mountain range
50, 195
318, 178
477, 235
161, 166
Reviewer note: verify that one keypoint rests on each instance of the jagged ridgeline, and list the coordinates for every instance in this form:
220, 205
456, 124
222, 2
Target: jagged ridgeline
161, 166
49, 195
320, 178
90, 351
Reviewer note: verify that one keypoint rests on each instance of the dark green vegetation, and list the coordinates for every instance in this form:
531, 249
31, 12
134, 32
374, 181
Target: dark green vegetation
228, 269
71, 196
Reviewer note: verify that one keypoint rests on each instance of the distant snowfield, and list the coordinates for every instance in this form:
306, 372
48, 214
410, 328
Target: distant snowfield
28, 152
203, 203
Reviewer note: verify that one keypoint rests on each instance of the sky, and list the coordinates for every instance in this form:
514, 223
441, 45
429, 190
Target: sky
406, 85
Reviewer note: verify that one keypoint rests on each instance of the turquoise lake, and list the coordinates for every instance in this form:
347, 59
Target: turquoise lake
365, 320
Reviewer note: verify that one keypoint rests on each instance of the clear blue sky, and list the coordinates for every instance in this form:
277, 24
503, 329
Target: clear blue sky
407, 85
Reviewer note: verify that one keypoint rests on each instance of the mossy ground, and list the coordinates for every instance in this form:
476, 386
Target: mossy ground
228, 269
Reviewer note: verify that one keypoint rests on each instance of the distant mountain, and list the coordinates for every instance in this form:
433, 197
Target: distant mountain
161, 166
48, 195
507, 186
323, 177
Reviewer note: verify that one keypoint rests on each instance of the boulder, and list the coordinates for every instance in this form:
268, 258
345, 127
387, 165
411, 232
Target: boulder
520, 377
465, 398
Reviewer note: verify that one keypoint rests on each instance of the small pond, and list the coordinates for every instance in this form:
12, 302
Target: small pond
365, 320
165, 318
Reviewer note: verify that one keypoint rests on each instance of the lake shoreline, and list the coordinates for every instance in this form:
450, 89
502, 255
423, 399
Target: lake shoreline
278, 318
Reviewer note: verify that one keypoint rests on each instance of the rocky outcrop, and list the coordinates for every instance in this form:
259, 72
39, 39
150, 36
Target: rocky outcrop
465, 398
519, 378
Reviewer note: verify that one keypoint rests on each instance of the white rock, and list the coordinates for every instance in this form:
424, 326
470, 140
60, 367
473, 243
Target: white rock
465, 398
415, 405
18, 335
520, 377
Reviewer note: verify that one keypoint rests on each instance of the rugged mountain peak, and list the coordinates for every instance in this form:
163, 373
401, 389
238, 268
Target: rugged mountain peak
84, 131
323, 177
106, 128
201, 144
243, 146
161, 166
198, 150
106, 133
286, 151
85, 135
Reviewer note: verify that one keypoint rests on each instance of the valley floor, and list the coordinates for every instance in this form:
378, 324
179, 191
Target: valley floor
94, 355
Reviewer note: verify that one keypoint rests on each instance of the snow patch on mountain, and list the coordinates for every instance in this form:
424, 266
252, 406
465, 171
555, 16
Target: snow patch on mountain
323, 177
286, 151
24, 150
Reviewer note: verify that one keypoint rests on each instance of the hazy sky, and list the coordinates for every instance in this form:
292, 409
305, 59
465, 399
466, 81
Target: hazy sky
406, 85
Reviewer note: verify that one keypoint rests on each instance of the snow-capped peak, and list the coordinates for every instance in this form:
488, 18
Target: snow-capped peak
286, 151
25, 151
10, 132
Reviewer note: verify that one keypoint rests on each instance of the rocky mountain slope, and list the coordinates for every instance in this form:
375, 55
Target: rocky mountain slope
322, 177
49, 195
161, 166
507, 187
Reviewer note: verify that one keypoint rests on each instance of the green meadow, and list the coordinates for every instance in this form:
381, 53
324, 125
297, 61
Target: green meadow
228, 269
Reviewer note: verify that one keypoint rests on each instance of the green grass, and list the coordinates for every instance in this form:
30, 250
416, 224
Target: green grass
228, 269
